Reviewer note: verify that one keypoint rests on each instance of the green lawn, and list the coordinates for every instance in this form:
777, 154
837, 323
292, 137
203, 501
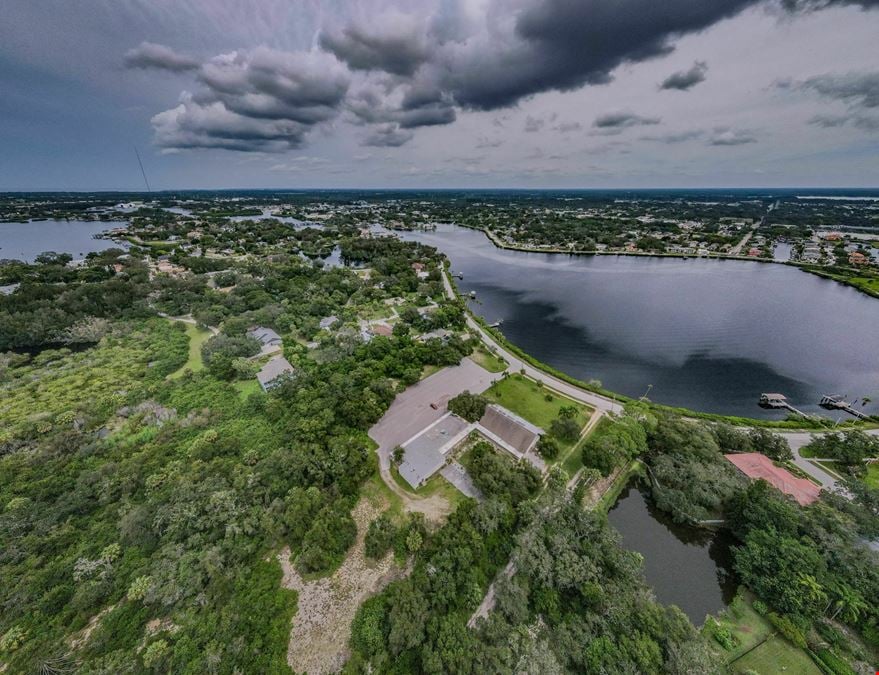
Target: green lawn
573, 461
490, 362
746, 625
246, 387
197, 337
776, 655
872, 477
760, 650
831, 467
525, 398
435, 485
429, 370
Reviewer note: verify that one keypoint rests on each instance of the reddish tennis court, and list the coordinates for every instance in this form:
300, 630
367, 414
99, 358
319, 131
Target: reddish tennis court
755, 465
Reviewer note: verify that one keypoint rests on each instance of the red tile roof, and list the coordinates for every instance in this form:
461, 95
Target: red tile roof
755, 465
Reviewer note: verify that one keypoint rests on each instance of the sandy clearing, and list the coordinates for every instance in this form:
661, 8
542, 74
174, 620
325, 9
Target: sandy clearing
322, 624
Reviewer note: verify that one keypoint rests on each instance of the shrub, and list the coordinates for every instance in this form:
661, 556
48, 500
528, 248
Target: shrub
722, 635
833, 663
380, 537
548, 447
565, 428
760, 607
785, 626
13, 639
367, 628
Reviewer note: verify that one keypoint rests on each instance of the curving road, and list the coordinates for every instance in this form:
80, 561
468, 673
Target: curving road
597, 401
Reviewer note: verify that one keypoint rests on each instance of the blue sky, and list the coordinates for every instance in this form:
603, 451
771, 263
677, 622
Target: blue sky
438, 93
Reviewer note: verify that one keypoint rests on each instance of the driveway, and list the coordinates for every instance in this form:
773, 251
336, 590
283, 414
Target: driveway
411, 412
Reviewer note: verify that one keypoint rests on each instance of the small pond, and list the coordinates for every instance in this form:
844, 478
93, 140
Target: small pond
686, 566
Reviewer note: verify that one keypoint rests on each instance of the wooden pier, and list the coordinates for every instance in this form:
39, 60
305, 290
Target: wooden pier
775, 401
836, 402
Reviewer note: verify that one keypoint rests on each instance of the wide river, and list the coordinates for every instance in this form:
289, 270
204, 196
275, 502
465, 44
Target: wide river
708, 335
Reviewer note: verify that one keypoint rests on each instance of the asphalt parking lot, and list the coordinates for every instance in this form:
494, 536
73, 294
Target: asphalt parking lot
411, 412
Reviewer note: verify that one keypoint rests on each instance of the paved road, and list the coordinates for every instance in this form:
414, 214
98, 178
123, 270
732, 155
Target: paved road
516, 365
796, 440
411, 412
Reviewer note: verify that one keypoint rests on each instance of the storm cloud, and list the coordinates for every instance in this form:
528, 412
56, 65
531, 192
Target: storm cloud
684, 80
397, 47
396, 72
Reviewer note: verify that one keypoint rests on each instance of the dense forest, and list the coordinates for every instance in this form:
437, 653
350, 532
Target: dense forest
150, 486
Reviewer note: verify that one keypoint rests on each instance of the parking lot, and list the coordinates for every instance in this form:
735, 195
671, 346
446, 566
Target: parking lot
411, 412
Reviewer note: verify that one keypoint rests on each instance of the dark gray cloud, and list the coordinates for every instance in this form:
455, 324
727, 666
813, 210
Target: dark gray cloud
724, 136
149, 55
816, 5
417, 109
388, 136
567, 127
680, 137
533, 124
854, 89
417, 71
615, 122
398, 48
863, 122
565, 44
684, 80
211, 125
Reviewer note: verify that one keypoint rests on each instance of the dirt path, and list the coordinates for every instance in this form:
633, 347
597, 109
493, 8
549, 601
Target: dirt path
322, 624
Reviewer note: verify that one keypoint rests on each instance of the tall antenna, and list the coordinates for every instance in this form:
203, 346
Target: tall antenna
141, 169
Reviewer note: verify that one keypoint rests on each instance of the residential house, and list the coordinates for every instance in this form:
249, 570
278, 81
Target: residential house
273, 372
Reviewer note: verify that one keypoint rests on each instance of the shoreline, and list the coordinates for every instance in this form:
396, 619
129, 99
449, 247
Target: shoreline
805, 267
621, 399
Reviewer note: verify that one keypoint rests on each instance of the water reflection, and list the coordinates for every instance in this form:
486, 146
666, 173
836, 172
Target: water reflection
686, 566
707, 334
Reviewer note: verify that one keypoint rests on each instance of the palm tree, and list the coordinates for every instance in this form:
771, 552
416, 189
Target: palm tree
849, 604
813, 590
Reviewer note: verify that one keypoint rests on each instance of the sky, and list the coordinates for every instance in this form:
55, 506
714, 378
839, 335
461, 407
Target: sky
438, 93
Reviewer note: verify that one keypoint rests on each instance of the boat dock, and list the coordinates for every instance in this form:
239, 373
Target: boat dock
775, 401
836, 402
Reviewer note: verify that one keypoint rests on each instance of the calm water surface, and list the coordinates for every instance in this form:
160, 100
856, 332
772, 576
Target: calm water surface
25, 241
685, 566
708, 335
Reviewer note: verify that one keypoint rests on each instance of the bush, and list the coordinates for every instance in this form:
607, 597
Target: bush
770, 444
367, 628
565, 428
548, 447
760, 607
785, 626
833, 663
380, 537
722, 635
329, 537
